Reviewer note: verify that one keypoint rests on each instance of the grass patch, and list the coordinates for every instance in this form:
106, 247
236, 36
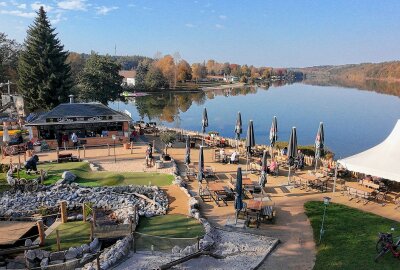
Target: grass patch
72, 234
86, 177
168, 226
350, 238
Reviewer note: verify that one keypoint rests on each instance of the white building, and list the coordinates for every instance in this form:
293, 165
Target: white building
129, 77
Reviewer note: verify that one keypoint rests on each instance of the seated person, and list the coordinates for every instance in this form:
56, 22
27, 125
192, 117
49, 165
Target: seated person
273, 167
31, 164
234, 157
299, 160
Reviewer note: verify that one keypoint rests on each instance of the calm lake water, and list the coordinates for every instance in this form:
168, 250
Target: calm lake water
354, 120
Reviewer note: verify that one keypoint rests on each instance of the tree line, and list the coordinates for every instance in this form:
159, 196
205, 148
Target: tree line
46, 74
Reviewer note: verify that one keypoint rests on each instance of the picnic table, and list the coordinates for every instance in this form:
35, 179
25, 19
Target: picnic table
218, 192
307, 181
258, 210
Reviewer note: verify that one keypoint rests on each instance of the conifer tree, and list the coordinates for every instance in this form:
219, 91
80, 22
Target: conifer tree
44, 76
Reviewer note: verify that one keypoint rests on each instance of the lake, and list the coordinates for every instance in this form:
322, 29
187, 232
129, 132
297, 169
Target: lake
354, 120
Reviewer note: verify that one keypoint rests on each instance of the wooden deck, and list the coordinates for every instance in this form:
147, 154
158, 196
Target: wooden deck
12, 231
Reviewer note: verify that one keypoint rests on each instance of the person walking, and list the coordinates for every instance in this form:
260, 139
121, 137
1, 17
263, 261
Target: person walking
74, 139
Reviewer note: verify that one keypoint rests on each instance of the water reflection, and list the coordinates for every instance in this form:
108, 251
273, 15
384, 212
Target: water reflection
379, 86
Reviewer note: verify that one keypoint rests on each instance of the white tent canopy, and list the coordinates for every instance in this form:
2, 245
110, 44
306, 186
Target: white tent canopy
382, 160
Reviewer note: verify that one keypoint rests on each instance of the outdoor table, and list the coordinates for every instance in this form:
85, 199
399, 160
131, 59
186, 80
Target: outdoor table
360, 190
254, 205
208, 172
306, 178
217, 191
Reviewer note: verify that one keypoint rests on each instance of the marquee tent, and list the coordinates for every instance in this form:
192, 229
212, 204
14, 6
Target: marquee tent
382, 160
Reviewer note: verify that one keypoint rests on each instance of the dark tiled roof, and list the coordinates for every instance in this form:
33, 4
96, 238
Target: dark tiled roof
80, 110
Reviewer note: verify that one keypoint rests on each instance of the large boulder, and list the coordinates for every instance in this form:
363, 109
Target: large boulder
94, 245
72, 253
57, 256
68, 176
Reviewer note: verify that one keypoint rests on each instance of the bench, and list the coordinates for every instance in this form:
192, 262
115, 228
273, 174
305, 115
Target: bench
65, 157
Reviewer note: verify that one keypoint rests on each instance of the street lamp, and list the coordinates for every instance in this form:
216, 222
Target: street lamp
115, 156
321, 232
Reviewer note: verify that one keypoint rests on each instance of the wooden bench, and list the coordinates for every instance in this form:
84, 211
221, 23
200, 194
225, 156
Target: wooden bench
64, 157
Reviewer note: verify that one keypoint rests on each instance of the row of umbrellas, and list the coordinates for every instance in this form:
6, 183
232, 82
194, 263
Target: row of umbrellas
249, 144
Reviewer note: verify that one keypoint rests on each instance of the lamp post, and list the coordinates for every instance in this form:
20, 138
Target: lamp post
115, 156
321, 232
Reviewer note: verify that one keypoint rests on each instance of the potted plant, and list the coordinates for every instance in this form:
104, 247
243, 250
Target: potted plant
167, 138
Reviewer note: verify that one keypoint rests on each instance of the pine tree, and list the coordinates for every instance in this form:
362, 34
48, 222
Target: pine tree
44, 76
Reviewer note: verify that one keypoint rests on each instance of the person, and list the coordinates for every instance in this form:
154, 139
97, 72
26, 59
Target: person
65, 140
234, 157
273, 166
299, 160
284, 151
149, 155
222, 155
74, 139
31, 164
59, 139
132, 136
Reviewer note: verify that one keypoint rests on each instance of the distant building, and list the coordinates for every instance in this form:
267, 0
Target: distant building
228, 78
129, 77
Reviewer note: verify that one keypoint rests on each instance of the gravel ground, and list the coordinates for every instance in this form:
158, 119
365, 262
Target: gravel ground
241, 251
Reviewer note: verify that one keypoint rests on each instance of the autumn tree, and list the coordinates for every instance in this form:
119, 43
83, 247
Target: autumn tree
199, 71
167, 66
44, 76
100, 79
184, 72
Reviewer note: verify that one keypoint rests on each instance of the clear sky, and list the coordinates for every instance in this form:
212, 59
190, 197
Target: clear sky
289, 33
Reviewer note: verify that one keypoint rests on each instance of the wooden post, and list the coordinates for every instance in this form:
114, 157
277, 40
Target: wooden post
134, 243
84, 210
40, 227
41, 176
98, 261
131, 147
63, 210
58, 240
79, 153
84, 151
25, 156
91, 231
94, 216
19, 160
108, 147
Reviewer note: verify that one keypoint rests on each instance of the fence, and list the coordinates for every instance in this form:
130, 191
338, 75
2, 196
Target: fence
146, 242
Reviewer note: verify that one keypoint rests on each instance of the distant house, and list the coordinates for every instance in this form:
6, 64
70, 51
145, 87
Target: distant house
228, 78
129, 77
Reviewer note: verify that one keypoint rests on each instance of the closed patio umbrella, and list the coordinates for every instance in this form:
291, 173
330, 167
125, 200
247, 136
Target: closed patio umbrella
292, 150
238, 128
187, 156
263, 175
6, 136
204, 123
273, 134
238, 192
319, 144
250, 141
200, 174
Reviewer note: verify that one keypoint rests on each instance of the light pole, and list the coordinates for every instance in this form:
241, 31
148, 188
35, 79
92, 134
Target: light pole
115, 156
321, 232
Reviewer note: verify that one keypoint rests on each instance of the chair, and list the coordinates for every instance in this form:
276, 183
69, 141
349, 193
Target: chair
268, 213
205, 195
221, 196
252, 215
230, 195
381, 196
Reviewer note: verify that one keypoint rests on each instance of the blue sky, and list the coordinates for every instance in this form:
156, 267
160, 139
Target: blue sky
286, 33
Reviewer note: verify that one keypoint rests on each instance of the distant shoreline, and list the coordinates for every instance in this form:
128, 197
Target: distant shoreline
224, 86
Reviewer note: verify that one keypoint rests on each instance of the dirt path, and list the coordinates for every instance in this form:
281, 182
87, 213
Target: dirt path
178, 201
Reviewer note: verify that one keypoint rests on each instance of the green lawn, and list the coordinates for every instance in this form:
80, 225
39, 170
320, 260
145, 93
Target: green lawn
72, 234
168, 226
86, 177
350, 238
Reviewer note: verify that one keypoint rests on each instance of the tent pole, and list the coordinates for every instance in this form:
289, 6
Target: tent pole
334, 181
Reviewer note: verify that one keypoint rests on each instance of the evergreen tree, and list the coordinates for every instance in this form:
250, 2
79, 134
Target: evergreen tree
44, 77
100, 80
